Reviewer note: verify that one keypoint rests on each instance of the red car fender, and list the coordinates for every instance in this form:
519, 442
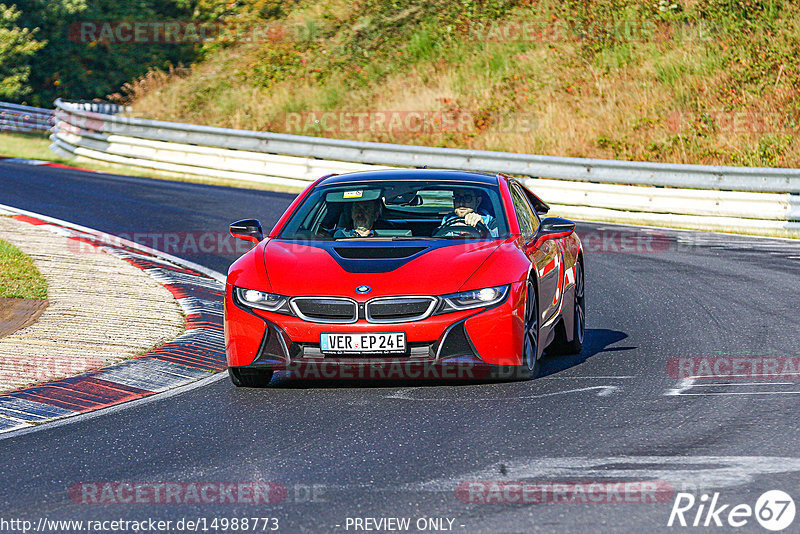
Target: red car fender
571, 249
243, 332
505, 265
248, 271
497, 334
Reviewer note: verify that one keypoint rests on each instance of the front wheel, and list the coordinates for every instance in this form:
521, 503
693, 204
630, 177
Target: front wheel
249, 378
530, 340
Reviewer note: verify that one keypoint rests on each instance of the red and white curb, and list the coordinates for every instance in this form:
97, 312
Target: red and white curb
196, 354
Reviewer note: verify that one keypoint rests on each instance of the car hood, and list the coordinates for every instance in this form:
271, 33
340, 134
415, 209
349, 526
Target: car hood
388, 268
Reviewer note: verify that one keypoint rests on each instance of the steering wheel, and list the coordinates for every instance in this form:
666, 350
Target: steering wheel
459, 226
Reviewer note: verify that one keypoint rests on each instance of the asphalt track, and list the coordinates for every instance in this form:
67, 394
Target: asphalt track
614, 413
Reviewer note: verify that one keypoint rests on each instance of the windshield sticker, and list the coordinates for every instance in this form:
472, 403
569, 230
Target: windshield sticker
353, 194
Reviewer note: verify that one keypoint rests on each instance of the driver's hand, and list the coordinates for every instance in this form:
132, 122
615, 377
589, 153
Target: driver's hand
473, 219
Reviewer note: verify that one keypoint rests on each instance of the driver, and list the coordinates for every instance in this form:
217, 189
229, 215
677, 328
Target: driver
466, 204
363, 214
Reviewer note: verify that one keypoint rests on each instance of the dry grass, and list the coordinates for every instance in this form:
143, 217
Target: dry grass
664, 99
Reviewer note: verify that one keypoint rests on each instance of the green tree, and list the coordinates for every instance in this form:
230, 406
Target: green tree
17, 47
71, 69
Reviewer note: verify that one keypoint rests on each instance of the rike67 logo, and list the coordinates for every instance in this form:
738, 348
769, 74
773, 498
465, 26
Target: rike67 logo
774, 510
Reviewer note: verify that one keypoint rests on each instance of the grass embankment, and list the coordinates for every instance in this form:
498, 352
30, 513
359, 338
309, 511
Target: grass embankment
28, 146
19, 278
686, 81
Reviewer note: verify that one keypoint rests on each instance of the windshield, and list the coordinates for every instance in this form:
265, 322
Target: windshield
417, 209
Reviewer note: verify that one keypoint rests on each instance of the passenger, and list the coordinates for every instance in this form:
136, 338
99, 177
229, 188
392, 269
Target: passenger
363, 215
466, 204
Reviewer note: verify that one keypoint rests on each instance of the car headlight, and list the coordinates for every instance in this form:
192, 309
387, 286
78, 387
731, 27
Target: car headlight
477, 298
262, 300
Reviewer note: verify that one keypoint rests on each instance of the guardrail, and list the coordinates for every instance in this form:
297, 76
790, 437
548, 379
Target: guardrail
712, 197
18, 118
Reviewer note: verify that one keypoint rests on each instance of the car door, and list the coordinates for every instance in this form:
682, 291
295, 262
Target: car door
547, 259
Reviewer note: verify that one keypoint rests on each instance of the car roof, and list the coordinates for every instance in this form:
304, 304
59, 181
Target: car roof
412, 174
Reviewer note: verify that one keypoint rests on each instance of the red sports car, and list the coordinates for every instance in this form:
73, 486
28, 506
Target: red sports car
410, 269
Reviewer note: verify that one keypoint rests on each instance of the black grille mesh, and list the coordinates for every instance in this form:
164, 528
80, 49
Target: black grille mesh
327, 309
396, 309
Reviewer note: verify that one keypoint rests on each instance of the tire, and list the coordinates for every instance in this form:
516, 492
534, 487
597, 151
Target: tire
579, 324
561, 346
249, 378
530, 340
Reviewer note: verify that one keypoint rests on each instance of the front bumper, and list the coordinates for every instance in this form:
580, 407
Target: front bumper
465, 339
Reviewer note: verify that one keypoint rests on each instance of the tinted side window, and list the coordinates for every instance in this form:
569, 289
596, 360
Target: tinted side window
525, 216
537, 219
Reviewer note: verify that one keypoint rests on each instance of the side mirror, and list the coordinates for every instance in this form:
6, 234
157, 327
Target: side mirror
553, 228
247, 229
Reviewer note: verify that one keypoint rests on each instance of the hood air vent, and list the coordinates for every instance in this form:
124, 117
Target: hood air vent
375, 253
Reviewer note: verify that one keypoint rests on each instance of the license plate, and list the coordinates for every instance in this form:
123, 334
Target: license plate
385, 343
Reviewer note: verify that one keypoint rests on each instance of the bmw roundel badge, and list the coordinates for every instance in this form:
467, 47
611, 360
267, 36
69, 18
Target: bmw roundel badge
363, 289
